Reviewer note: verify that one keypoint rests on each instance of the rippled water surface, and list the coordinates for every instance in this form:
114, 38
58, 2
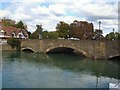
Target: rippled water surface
34, 70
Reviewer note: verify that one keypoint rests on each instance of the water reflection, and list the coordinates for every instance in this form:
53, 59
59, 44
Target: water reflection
73, 63
63, 70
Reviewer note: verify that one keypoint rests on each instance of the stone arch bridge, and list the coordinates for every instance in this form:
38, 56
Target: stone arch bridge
89, 48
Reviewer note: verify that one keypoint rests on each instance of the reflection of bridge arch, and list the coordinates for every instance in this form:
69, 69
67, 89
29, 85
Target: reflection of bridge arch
27, 48
70, 47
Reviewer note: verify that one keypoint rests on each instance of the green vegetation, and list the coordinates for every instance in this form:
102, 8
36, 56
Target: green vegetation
50, 35
35, 35
63, 29
9, 22
113, 36
14, 43
19, 24
98, 34
76, 29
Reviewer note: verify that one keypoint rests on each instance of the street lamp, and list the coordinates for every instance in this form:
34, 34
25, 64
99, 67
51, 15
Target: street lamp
99, 24
113, 30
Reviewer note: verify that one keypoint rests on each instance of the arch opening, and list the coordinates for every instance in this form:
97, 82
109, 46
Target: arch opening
65, 50
27, 50
115, 58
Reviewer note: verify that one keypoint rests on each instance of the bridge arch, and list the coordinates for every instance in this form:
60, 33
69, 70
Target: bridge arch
117, 56
27, 48
70, 47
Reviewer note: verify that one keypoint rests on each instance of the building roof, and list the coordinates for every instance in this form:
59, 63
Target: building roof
10, 29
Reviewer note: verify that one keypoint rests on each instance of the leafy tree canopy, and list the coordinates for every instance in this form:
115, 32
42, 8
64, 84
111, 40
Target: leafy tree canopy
35, 35
14, 43
20, 24
50, 35
113, 36
62, 29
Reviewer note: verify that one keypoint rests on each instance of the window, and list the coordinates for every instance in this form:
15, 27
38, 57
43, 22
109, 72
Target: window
20, 36
13, 34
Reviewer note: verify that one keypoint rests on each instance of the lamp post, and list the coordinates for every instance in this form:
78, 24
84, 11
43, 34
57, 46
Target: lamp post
114, 34
99, 24
113, 30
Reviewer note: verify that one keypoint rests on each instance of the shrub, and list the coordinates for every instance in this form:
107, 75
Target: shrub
14, 43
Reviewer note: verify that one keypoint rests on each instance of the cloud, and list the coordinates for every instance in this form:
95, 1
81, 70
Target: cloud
20, 14
4, 13
57, 9
96, 10
50, 12
40, 10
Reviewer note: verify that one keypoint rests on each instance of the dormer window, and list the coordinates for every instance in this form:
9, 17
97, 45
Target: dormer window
2, 32
13, 35
20, 36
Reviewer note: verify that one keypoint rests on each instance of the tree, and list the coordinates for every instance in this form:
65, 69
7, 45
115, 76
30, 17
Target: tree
62, 29
45, 34
113, 36
75, 31
117, 36
35, 35
7, 22
81, 30
39, 28
98, 34
29, 33
20, 24
14, 43
50, 35
53, 35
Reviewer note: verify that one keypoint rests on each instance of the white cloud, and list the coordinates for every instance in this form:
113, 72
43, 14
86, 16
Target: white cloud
57, 9
4, 13
50, 12
96, 10
40, 10
20, 14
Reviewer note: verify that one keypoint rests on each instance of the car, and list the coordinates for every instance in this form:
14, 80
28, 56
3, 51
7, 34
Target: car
73, 38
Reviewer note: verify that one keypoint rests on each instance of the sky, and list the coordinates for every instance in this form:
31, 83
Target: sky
50, 12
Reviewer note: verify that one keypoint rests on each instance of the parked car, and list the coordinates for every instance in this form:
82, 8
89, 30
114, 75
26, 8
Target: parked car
73, 38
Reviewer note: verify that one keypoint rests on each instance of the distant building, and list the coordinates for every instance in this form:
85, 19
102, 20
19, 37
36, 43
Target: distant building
11, 32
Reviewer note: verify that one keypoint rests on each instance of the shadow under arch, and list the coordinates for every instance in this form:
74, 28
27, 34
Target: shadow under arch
76, 50
27, 49
114, 57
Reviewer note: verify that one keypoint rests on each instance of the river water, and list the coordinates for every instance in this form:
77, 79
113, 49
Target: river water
35, 70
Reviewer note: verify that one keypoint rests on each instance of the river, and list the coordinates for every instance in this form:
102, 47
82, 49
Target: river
35, 70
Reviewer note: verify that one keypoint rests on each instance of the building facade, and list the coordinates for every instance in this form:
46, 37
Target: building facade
11, 32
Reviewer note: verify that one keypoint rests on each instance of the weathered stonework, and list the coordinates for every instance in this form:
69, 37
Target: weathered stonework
89, 48
6, 48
